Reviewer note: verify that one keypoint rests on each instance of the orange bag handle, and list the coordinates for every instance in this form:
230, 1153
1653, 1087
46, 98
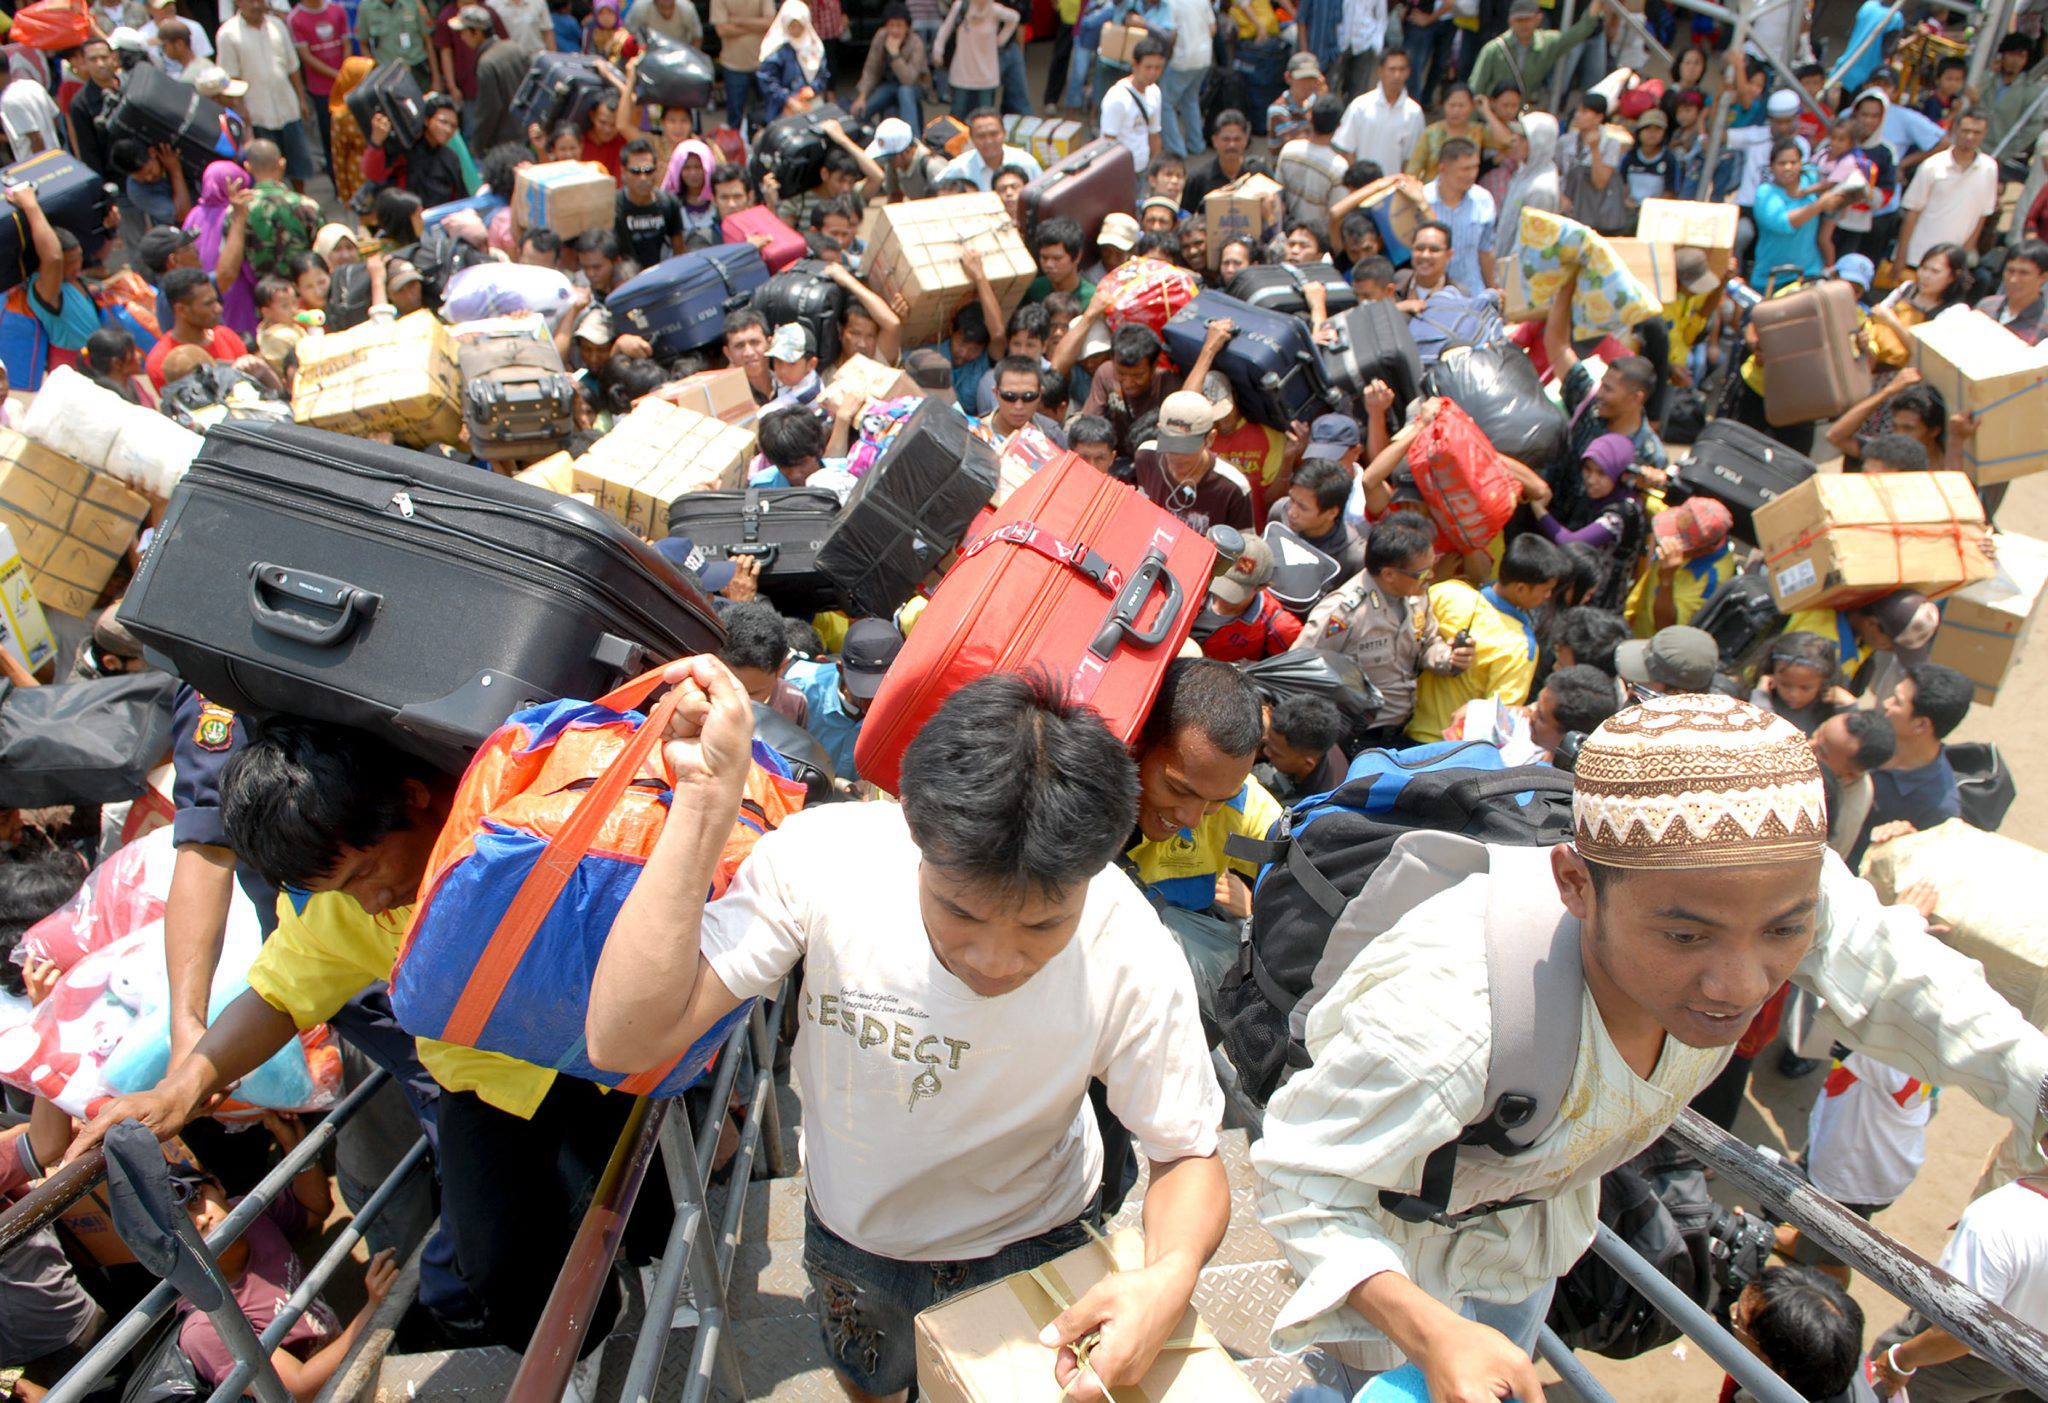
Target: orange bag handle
543, 886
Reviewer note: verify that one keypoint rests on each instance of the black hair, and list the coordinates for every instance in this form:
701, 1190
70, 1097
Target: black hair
754, 635
1531, 560
1582, 696
269, 286
436, 102
1091, 428
1011, 169
741, 319
803, 637
1356, 223
1440, 227
1212, 697
1584, 568
2034, 251
1309, 723
500, 166
1507, 86
299, 792
1326, 114
1161, 241
1015, 365
1810, 70
1898, 452
725, 172
1801, 648
1053, 394
1254, 251
1016, 787
1133, 344
562, 129
789, 436
1060, 230
1327, 478
1361, 173
33, 883
1321, 236
1876, 740
1636, 372
2019, 42
631, 377
1809, 1329
1595, 102
1375, 268
841, 161
1781, 146
638, 146
1147, 48
895, 9
1592, 635
972, 323
1229, 117
545, 241
1925, 402
1941, 694
1954, 63
106, 346
1031, 319
1397, 540
603, 242
304, 263
393, 213
127, 156
1456, 148
180, 283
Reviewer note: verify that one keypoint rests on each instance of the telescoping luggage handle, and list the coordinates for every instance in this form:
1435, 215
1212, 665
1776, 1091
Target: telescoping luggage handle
1129, 593
352, 604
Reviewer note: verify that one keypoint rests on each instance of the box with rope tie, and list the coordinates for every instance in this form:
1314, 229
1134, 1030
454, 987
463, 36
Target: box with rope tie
915, 250
1838, 540
1981, 369
982, 1347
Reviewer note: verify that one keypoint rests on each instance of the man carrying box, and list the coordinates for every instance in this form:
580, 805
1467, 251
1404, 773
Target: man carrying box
953, 1017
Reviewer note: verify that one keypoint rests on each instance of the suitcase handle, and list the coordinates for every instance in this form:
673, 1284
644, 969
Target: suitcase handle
352, 603
1130, 602
762, 551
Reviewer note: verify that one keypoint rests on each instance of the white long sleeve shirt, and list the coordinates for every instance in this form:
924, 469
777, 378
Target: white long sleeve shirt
1400, 1047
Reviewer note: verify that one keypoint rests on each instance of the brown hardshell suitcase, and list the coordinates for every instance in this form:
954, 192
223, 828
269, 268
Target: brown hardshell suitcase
1814, 367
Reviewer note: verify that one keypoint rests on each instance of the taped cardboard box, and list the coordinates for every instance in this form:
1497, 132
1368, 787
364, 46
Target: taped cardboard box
1654, 264
1055, 140
982, 1347
1692, 224
1237, 211
1119, 42
28, 634
1981, 369
1842, 539
1983, 625
724, 394
69, 525
915, 250
398, 378
657, 453
569, 197
864, 381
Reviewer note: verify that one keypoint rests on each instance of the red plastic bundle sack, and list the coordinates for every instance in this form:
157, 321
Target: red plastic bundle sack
124, 893
1468, 493
1146, 291
51, 25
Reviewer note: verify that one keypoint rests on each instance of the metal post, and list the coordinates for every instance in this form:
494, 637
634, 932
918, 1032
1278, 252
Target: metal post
1566, 18
1721, 14
1875, 36
1576, 1376
648, 1351
712, 1355
765, 1029
1717, 132
1634, 21
722, 1083
1997, 21
252, 1359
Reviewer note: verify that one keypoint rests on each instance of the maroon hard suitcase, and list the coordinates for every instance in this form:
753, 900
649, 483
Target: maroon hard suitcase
1813, 367
1098, 180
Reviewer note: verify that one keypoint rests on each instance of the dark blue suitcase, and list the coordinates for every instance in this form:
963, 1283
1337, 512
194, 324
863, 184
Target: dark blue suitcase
1275, 374
559, 88
73, 196
680, 304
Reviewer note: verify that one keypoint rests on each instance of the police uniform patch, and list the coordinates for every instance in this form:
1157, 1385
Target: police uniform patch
216, 728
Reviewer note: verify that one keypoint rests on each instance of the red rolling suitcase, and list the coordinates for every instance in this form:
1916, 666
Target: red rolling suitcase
1079, 575
1095, 181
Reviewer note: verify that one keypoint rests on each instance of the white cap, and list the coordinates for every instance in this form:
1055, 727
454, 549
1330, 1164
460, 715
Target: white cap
892, 138
123, 39
211, 80
1782, 103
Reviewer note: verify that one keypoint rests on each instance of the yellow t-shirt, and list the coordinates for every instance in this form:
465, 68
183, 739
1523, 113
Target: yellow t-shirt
1182, 870
1504, 656
1829, 623
1692, 586
327, 949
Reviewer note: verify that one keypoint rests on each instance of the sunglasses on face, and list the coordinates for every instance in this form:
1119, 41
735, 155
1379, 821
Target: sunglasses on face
1421, 574
1017, 396
639, 170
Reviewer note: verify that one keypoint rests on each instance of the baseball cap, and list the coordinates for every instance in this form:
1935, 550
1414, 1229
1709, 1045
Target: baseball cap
1856, 268
1681, 658
1097, 342
1782, 103
711, 573
1654, 118
929, 369
1907, 617
1251, 572
595, 326
1331, 436
1695, 275
160, 243
871, 645
1303, 65
211, 80
792, 342
1699, 526
1119, 230
1523, 7
1185, 418
892, 138
123, 39
398, 273
1165, 202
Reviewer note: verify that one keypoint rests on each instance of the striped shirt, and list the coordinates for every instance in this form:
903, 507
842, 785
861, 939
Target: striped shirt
1471, 225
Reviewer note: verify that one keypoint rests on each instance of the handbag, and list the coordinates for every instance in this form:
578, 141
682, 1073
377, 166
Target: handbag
89, 742
1984, 786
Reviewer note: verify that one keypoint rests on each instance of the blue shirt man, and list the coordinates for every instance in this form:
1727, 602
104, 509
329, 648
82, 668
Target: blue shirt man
839, 692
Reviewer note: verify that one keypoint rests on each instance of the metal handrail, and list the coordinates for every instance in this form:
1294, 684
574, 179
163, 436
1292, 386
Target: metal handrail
45, 1204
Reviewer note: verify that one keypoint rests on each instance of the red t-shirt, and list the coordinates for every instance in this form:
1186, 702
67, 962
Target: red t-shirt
1259, 632
605, 153
222, 345
324, 34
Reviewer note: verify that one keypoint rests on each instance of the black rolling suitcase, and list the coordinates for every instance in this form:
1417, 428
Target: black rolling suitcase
559, 88
516, 399
1278, 287
1742, 617
159, 110
73, 197
342, 580
783, 528
1741, 468
392, 90
911, 507
803, 292
680, 303
674, 75
792, 149
1373, 343
1274, 372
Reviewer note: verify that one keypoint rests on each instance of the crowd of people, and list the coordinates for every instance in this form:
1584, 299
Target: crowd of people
1034, 964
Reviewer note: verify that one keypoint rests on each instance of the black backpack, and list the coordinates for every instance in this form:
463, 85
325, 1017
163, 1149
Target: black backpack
1743, 619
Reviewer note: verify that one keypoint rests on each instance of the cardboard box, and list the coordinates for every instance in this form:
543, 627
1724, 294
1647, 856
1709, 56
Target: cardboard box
1654, 264
722, 393
870, 380
982, 1347
1842, 539
64, 598
76, 563
1692, 224
915, 250
1237, 211
69, 526
27, 634
569, 197
1056, 140
1980, 368
554, 473
1118, 41
398, 378
657, 453
1983, 625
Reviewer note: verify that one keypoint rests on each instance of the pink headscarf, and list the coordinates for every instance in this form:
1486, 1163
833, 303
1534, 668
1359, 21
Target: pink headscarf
672, 181
209, 220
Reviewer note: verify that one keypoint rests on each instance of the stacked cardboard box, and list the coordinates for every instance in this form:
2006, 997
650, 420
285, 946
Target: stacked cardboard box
397, 377
1237, 211
722, 393
915, 249
1842, 539
1983, 625
1981, 369
70, 525
656, 454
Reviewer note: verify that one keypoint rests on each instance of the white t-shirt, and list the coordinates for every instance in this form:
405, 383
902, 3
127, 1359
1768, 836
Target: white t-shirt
2000, 1251
940, 1125
202, 46
28, 107
1132, 117
265, 58
1951, 199
527, 22
1194, 31
1373, 130
1868, 1134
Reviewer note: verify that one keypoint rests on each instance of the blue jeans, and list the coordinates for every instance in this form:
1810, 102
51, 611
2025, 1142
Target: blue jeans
1016, 84
1080, 68
739, 88
1181, 111
1429, 57
928, 30
895, 100
968, 100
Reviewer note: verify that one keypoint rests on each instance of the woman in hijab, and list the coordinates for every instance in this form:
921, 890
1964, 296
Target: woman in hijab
220, 241
689, 180
605, 36
793, 74
348, 140
1534, 183
1618, 524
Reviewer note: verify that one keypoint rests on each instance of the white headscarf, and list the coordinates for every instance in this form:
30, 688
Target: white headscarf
809, 48
1535, 182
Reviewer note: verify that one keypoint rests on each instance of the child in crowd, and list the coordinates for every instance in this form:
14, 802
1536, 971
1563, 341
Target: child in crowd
1800, 677
278, 330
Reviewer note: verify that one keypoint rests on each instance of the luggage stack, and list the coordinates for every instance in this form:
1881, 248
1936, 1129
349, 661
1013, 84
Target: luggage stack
71, 525
1741, 468
1814, 366
1281, 287
804, 293
75, 417
559, 88
674, 75
656, 454
1237, 211
159, 110
723, 394
780, 528
1983, 625
1843, 539
73, 196
398, 378
915, 249
1275, 374
1374, 343
569, 197
785, 245
391, 90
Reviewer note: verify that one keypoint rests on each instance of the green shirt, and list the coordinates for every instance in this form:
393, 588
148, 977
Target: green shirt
393, 31
1041, 288
1503, 60
280, 228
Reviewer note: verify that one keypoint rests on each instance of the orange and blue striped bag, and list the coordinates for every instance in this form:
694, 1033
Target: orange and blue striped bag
550, 828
